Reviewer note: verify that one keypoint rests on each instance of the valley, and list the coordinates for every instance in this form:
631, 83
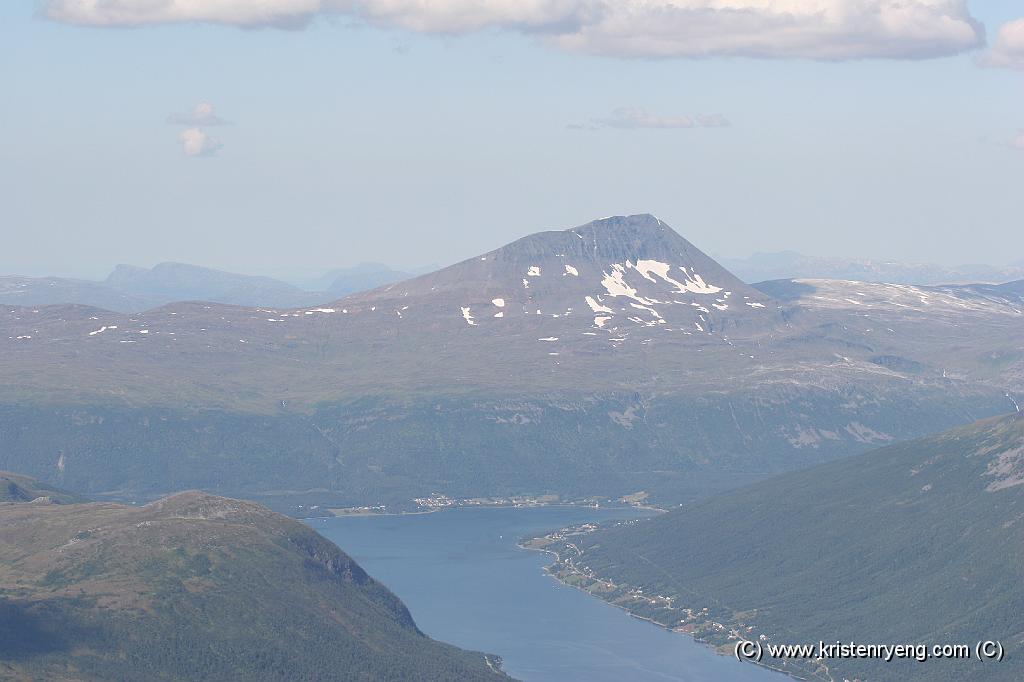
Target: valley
463, 576
596, 361
912, 543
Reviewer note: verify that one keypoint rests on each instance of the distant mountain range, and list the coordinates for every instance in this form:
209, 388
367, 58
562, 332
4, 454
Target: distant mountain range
133, 289
171, 282
606, 359
792, 265
920, 542
345, 281
196, 587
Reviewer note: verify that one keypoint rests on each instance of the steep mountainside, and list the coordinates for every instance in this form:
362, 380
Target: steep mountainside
921, 543
606, 359
195, 587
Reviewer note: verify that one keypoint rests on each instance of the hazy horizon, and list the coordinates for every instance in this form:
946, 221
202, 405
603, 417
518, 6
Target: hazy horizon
222, 140
302, 275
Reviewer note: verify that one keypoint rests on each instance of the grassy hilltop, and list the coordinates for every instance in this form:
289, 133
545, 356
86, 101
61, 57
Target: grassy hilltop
196, 587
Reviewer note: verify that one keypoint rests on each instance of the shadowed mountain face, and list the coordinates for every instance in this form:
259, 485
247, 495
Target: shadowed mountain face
921, 542
196, 587
17, 489
605, 359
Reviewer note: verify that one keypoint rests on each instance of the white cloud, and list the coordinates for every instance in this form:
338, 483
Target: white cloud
202, 114
195, 142
250, 13
1018, 142
811, 29
633, 117
1008, 50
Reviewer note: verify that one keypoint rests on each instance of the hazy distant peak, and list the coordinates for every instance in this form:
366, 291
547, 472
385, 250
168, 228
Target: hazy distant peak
361, 277
122, 273
765, 266
364, 267
171, 281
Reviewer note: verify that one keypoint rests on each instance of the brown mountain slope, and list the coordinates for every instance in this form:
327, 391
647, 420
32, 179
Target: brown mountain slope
600, 360
196, 587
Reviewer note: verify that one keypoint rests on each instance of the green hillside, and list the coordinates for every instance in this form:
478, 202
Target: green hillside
196, 587
921, 542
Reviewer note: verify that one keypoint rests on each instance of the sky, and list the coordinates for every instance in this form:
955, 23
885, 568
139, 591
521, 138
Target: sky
288, 137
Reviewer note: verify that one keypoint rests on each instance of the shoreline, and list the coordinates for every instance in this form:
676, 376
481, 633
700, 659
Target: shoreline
340, 512
364, 514
557, 561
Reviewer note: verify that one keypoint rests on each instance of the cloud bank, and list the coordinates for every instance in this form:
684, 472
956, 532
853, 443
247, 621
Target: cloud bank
1008, 50
806, 29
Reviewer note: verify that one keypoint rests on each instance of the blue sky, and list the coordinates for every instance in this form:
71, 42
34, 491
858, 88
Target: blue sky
350, 142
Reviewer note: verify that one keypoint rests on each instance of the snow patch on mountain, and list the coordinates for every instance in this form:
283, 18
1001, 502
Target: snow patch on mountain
614, 284
597, 307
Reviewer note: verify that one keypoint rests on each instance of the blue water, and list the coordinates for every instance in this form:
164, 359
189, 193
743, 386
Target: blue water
466, 582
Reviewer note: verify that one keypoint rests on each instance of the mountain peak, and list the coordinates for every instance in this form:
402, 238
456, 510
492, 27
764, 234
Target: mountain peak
601, 278
634, 221
605, 241
123, 273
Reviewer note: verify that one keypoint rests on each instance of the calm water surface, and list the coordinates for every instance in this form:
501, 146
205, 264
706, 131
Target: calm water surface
466, 582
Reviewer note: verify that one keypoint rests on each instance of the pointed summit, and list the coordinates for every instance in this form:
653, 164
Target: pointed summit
616, 238
606, 277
